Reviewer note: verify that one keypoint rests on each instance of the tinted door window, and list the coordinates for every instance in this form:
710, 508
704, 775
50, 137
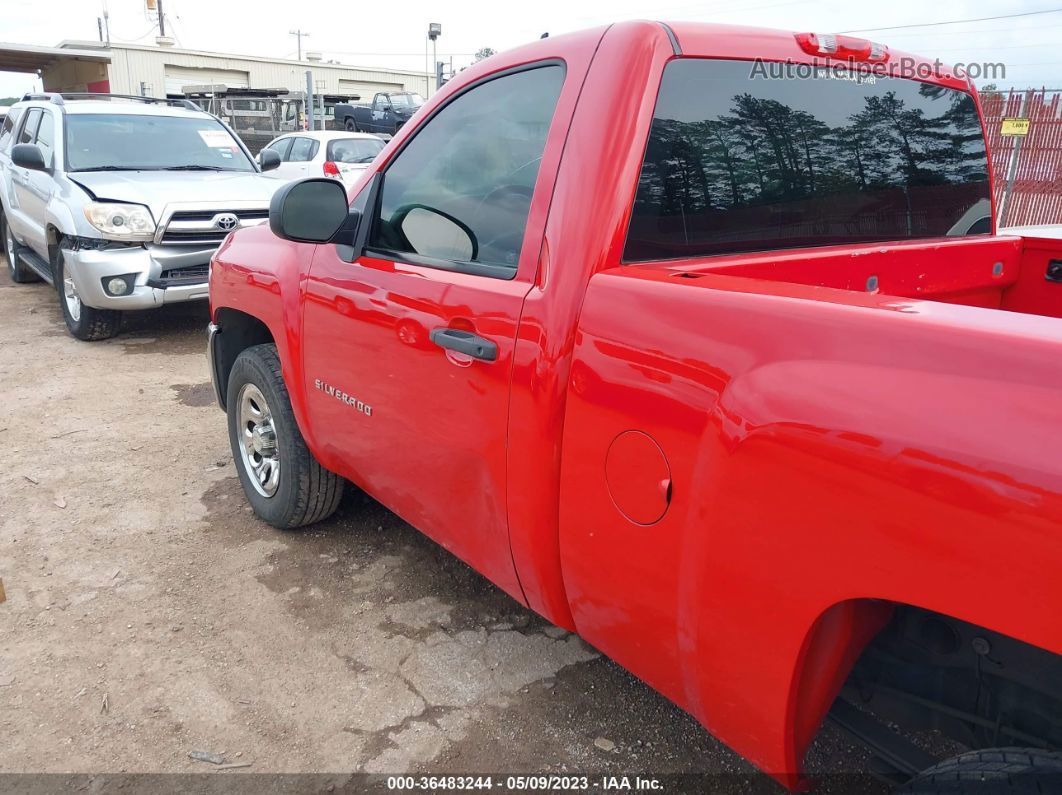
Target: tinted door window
461, 189
281, 147
302, 150
29, 129
739, 162
46, 137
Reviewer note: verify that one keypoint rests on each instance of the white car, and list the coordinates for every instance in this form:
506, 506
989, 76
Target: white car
343, 155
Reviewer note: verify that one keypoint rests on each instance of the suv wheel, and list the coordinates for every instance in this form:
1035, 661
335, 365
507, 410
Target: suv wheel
20, 274
84, 322
282, 480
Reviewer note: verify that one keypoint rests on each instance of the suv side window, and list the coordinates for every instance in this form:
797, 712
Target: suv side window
460, 191
29, 128
302, 150
46, 137
6, 132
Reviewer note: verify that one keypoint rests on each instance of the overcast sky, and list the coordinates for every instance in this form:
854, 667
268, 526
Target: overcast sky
391, 33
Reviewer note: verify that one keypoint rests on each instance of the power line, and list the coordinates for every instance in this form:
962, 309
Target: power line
351, 52
993, 31
992, 47
121, 39
955, 21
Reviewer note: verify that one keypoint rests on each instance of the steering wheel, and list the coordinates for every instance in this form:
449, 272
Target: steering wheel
506, 190
508, 241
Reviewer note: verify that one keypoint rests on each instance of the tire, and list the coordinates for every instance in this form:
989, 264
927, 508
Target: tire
84, 322
351, 125
299, 491
993, 771
19, 273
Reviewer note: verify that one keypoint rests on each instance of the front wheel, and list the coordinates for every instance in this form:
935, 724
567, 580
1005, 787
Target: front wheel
282, 480
993, 771
84, 322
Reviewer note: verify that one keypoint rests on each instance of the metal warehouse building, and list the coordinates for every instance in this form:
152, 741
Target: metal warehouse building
154, 71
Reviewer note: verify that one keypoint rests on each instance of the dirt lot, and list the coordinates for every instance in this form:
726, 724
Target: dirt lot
149, 614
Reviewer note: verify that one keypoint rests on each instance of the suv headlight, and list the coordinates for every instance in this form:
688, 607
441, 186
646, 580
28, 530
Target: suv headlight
121, 221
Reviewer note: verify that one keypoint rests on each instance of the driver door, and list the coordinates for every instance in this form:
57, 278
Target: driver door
382, 114
419, 331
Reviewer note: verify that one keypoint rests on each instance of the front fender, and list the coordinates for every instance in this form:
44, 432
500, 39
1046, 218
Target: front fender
256, 273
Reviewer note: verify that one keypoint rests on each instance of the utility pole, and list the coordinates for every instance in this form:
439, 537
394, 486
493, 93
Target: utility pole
162, 20
309, 100
298, 34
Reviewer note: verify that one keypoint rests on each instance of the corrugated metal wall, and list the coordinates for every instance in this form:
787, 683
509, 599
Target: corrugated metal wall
1034, 195
135, 71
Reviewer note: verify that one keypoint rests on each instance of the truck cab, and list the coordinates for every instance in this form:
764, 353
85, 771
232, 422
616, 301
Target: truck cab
384, 116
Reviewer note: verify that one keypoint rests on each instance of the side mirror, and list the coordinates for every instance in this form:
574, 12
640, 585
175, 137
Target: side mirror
268, 159
309, 211
433, 233
28, 156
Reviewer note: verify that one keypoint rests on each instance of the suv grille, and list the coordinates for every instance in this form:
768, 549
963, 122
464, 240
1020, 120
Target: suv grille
208, 227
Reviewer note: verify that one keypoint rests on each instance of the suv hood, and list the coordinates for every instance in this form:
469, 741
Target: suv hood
158, 189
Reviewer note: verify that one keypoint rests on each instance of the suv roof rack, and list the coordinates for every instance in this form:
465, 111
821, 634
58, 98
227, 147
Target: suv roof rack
59, 99
45, 96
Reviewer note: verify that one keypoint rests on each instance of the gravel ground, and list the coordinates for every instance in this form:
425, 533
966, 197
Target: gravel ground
149, 615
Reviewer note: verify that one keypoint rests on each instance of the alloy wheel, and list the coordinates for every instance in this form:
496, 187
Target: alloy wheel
73, 300
258, 449
9, 247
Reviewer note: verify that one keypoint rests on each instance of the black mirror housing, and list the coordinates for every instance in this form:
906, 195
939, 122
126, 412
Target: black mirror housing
268, 159
309, 211
28, 156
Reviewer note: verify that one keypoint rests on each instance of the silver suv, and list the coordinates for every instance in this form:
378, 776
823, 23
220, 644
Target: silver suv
121, 201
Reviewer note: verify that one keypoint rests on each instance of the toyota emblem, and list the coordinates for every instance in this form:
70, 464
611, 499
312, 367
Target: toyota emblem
226, 221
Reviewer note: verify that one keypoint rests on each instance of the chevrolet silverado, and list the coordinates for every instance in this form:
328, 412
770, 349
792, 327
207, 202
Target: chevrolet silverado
736, 386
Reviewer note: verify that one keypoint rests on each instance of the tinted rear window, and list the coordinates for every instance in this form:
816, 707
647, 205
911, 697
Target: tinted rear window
741, 163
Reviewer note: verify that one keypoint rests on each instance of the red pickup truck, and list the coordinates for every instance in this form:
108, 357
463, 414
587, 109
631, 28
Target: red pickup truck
698, 341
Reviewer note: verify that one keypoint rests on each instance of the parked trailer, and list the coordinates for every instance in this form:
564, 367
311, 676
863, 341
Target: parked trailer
258, 115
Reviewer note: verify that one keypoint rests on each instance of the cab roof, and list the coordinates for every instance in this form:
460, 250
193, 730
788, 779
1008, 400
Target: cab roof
738, 42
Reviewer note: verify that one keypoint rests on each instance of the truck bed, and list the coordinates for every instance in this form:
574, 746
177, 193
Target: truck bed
999, 272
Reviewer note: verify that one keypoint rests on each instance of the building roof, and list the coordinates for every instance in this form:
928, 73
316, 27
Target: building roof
99, 46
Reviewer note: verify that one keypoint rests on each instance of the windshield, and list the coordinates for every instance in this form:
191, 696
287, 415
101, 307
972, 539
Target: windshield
407, 100
353, 150
737, 161
130, 142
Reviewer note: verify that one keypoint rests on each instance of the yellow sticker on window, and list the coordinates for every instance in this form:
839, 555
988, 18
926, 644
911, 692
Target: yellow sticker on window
1014, 127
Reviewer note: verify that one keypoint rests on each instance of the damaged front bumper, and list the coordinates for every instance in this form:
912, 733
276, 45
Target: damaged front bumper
154, 275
